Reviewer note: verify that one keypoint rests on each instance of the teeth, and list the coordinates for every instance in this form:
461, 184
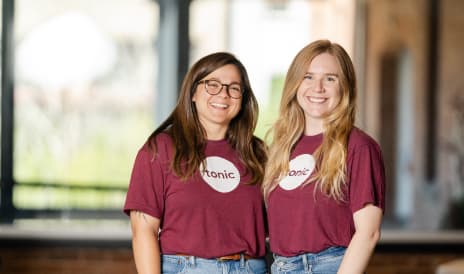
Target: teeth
219, 105
316, 100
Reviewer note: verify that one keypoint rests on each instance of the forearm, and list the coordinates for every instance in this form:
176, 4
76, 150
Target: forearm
146, 253
367, 224
358, 253
145, 244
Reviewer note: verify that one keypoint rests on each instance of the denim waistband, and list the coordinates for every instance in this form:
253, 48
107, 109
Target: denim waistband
192, 260
231, 257
310, 259
194, 264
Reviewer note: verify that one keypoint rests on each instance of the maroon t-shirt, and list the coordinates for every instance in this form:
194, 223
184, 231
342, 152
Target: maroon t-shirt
212, 214
303, 220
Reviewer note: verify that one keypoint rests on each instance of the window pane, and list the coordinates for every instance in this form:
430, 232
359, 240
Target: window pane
265, 35
83, 98
1, 25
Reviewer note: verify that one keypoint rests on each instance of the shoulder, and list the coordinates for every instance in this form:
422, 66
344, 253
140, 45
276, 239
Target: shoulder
159, 145
163, 138
360, 139
365, 151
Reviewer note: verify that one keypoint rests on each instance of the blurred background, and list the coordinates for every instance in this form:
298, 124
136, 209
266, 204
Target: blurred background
85, 82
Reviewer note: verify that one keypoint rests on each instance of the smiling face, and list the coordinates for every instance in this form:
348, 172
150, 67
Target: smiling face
319, 92
216, 111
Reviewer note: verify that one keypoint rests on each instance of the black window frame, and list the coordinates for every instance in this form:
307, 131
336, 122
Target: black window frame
173, 49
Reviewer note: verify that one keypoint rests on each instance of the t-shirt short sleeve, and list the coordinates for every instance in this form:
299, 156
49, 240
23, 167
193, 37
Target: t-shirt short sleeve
146, 188
367, 177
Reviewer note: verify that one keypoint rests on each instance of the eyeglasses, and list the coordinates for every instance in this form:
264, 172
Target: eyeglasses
213, 87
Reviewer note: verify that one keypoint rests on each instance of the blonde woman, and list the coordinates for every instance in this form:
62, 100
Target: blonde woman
324, 182
194, 198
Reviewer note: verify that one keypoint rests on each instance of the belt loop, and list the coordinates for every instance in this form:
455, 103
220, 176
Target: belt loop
242, 260
305, 262
192, 260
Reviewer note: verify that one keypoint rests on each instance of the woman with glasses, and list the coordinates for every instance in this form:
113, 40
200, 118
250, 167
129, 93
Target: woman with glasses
194, 197
324, 183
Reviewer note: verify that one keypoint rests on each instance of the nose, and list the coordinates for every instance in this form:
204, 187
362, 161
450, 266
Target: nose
319, 85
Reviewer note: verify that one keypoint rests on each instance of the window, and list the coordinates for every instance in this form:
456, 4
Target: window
266, 35
84, 99
85, 85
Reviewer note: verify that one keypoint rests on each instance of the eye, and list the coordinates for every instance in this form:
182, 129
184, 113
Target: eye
331, 78
235, 88
213, 84
308, 77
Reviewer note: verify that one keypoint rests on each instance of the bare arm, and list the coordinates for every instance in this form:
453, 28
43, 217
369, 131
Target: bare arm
367, 223
145, 243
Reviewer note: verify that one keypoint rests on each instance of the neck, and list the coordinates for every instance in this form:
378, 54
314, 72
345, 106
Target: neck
215, 132
313, 128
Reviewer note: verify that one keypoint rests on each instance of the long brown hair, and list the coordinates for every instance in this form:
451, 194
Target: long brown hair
330, 171
188, 134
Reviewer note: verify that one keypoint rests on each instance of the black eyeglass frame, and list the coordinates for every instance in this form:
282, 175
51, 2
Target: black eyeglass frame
205, 82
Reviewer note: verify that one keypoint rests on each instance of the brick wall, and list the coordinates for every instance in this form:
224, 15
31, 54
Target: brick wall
408, 263
118, 260
66, 260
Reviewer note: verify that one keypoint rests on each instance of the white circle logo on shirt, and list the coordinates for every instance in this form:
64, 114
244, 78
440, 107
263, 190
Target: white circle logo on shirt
300, 169
220, 174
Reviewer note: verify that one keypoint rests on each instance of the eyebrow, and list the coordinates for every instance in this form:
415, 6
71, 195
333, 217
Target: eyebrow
326, 74
231, 83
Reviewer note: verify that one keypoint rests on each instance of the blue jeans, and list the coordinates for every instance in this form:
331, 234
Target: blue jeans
325, 262
171, 264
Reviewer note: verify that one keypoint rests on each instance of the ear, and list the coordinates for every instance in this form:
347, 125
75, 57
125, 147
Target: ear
194, 97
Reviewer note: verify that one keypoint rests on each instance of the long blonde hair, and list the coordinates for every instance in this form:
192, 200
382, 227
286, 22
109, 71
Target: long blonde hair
330, 171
